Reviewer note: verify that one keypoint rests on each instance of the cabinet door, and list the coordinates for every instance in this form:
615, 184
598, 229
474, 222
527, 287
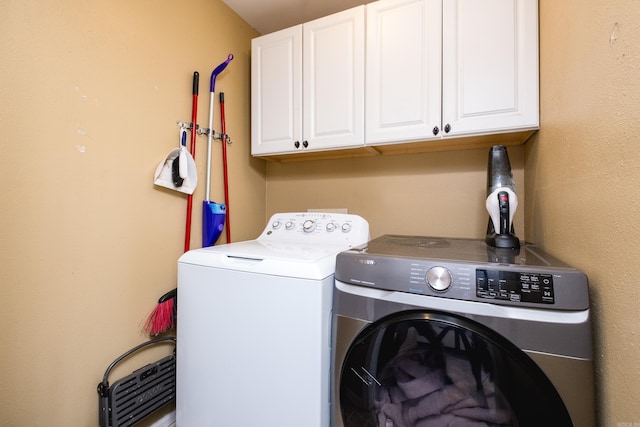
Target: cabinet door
404, 42
490, 66
333, 74
276, 91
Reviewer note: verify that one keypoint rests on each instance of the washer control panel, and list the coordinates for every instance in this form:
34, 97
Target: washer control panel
318, 227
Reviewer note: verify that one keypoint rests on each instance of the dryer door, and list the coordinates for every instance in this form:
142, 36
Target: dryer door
428, 368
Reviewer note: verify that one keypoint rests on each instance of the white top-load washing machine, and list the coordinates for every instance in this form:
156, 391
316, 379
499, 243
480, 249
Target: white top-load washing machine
254, 322
432, 331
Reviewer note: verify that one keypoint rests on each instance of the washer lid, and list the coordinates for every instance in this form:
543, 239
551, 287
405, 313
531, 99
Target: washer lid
290, 259
284, 251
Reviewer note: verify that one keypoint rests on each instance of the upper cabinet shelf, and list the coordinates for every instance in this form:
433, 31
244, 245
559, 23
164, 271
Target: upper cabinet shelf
425, 75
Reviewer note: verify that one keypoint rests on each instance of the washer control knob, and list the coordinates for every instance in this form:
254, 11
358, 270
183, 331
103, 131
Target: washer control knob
276, 224
289, 225
346, 227
439, 278
308, 226
331, 227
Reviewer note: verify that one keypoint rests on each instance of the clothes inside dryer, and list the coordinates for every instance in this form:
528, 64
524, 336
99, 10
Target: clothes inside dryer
428, 368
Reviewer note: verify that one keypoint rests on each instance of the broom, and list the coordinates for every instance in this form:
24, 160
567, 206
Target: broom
164, 315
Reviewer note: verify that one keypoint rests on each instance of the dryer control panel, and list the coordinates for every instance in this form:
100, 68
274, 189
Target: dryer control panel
464, 269
514, 286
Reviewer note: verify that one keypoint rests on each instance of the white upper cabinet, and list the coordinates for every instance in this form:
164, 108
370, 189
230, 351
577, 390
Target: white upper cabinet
404, 69
276, 91
450, 68
421, 75
490, 66
333, 73
308, 86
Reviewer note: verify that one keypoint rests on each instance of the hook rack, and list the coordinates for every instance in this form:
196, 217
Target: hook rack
188, 126
214, 135
207, 131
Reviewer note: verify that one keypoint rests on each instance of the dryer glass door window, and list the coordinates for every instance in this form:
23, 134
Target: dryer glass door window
424, 368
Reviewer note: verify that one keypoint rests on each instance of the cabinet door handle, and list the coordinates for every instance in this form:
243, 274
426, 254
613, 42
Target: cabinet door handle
436, 130
447, 128
297, 144
305, 144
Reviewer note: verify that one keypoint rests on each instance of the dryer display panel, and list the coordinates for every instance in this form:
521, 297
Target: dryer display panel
515, 286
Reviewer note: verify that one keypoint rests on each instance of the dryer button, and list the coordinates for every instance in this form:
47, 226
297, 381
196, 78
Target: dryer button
439, 278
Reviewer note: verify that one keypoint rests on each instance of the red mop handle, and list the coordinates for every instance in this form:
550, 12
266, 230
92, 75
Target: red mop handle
192, 148
223, 127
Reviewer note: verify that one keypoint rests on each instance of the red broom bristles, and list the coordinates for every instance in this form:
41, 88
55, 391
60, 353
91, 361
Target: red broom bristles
162, 318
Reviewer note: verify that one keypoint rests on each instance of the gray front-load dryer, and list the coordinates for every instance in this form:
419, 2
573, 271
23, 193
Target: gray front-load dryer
432, 331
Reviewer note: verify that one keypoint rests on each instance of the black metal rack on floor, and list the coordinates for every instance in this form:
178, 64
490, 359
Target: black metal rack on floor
139, 394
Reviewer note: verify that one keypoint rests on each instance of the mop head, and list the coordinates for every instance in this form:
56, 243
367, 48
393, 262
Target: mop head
164, 175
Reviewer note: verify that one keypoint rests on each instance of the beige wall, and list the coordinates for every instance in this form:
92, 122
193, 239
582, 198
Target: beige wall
583, 178
436, 194
90, 94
